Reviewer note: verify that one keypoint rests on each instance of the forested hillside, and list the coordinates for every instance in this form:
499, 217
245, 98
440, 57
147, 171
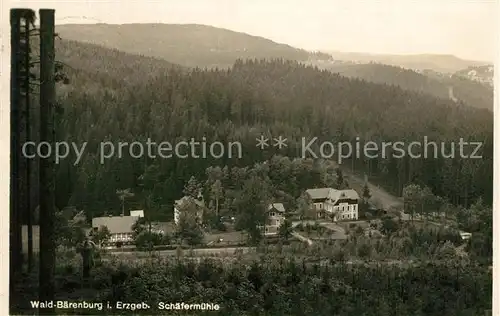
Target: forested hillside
97, 68
185, 44
470, 92
143, 97
206, 46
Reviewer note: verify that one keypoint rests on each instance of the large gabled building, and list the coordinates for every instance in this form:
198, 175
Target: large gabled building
341, 204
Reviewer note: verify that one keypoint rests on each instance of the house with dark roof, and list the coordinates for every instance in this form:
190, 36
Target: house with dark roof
339, 204
120, 227
275, 217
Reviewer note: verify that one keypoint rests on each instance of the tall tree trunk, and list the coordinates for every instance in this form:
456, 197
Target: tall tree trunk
47, 185
27, 137
15, 225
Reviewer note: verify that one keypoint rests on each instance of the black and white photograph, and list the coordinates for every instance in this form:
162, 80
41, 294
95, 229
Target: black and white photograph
249, 157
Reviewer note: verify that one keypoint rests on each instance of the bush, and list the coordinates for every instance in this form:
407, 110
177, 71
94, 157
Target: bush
389, 226
148, 240
364, 250
360, 230
317, 226
339, 255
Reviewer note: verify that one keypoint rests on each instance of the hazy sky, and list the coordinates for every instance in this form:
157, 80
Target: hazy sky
466, 28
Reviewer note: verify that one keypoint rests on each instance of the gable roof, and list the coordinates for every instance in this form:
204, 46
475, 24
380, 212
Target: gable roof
139, 213
277, 206
348, 194
320, 193
186, 199
333, 194
80, 216
116, 224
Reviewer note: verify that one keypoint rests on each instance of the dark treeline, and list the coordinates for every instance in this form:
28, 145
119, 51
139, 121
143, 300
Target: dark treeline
130, 98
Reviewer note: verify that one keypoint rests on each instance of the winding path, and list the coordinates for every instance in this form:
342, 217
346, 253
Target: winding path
302, 238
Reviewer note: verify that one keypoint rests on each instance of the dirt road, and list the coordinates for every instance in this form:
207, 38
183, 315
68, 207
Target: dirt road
386, 199
302, 238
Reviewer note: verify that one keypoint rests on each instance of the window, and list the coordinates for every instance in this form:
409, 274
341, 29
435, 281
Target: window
272, 214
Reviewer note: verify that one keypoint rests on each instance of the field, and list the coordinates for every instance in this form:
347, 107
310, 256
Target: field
226, 238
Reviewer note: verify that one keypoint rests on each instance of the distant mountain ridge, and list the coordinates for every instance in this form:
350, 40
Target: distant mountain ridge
436, 62
191, 45
197, 45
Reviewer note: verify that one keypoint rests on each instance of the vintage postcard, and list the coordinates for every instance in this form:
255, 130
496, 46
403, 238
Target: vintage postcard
249, 157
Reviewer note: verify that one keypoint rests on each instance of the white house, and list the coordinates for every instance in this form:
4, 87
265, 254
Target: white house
138, 213
343, 203
275, 217
199, 204
465, 235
